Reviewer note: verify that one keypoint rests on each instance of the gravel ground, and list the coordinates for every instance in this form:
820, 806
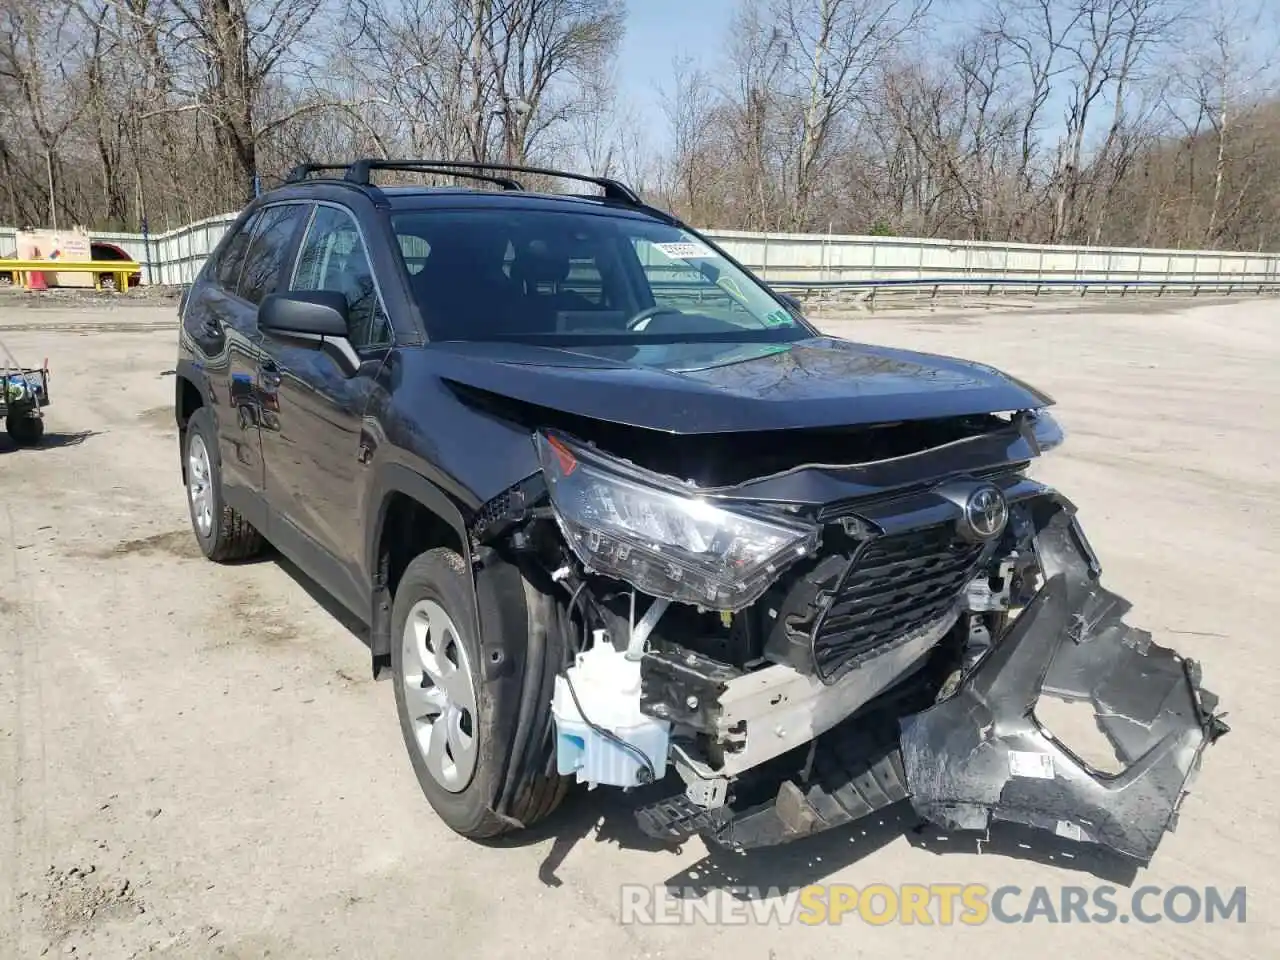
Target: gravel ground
194, 762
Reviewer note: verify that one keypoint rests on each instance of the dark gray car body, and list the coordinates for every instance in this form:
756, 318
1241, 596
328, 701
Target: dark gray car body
316, 441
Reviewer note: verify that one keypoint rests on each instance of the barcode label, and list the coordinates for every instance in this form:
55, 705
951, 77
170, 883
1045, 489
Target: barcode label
1023, 763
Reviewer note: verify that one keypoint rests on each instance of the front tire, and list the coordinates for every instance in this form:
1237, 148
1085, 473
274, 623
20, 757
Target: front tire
445, 712
222, 533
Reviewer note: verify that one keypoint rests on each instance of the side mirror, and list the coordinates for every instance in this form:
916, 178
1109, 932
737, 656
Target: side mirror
793, 304
309, 314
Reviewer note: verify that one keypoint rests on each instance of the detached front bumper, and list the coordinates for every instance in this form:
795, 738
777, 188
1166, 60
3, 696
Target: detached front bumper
980, 754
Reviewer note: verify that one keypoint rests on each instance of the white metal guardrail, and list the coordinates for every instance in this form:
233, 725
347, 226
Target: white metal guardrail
815, 261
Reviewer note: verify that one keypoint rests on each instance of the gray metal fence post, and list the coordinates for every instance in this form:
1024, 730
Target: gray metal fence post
146, 247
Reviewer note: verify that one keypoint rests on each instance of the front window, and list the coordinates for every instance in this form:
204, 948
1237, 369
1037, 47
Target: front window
332, 257
557, 277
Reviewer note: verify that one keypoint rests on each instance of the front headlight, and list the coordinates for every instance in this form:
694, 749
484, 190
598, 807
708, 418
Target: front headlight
637, 526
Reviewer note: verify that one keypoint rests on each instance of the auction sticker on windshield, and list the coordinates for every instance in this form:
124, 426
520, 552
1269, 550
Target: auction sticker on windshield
685, 251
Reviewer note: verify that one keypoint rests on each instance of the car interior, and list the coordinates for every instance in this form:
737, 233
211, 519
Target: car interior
486, 278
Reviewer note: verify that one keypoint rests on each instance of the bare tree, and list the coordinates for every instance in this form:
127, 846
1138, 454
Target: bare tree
832, 49
1225, 84
544, 54
689, 105
39, 67
753, 110
1102, 121
483, 79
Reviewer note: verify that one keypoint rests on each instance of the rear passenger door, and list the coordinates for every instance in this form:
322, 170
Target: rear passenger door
219, 334
319, 393
233, 318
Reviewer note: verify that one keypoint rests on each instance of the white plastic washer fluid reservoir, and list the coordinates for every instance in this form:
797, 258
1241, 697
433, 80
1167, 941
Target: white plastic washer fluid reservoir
608, 689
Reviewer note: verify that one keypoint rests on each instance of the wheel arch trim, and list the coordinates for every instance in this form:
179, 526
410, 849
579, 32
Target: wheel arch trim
396, 478
192, 373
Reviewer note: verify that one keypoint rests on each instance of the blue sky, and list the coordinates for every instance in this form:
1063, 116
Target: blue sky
660, 30
657, 31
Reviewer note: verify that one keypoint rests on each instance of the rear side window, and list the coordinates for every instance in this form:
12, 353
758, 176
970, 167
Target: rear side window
227, 269
265, 257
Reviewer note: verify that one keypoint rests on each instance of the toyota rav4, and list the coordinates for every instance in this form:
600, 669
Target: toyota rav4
614, 512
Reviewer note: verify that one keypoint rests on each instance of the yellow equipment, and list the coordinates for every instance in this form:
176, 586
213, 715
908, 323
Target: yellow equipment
22, 270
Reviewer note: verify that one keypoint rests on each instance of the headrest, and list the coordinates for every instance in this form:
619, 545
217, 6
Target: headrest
476, 248
538, 261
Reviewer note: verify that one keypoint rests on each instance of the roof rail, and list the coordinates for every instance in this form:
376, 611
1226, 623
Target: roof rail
304, 170
359, 171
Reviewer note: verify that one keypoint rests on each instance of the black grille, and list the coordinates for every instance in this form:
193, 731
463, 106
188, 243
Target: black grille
894, 584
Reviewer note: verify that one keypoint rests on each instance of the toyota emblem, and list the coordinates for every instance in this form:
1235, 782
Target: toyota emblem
985, 513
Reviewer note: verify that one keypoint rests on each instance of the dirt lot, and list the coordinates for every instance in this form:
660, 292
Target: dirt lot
194, 762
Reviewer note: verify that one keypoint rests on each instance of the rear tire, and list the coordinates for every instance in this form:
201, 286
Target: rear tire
25, 429
222, 533
432, 642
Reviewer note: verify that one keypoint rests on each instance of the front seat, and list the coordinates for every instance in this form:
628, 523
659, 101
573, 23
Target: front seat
540, 271
462, 288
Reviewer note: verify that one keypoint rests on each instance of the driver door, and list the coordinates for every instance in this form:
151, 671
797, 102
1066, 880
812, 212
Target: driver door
317, 395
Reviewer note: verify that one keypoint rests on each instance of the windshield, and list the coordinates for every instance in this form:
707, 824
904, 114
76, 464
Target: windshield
565, 277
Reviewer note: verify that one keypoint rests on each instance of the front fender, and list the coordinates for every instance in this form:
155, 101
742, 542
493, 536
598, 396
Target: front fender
390, 479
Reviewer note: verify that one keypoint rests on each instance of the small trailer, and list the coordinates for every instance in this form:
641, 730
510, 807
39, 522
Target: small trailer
24, 393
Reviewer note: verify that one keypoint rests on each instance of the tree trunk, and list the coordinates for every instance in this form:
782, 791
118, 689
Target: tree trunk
234, 95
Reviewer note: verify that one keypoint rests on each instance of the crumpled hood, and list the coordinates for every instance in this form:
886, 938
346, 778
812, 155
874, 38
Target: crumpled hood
734, 387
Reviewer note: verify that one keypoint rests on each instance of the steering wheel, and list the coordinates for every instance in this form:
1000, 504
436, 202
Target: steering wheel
648, 313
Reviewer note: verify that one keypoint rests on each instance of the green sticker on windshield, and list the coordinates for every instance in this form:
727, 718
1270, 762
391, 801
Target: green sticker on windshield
779, 318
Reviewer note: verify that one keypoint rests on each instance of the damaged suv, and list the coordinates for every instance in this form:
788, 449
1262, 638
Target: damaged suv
612, 511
